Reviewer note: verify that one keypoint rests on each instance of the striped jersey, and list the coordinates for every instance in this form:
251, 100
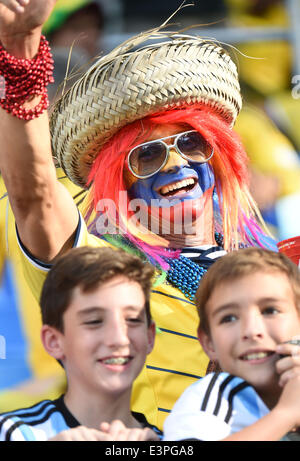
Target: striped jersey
214, 407
43, 421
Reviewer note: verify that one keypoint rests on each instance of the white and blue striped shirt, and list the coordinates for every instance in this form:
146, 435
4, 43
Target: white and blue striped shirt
214, 407
43, 421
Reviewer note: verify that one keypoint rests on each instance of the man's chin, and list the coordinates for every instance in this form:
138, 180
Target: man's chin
179, 218
173, 216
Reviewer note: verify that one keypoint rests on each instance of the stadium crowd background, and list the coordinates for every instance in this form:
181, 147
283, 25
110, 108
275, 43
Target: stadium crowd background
262, 30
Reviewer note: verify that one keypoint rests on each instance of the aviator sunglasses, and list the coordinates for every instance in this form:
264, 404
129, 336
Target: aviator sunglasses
147, 159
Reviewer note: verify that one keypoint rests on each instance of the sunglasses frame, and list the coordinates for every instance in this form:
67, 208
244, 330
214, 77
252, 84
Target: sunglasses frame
168, 147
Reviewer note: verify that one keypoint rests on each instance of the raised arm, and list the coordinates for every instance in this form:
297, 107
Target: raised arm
45, 213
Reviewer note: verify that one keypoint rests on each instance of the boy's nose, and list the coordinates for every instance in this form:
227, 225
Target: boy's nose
175, 161
117, 333
253, 327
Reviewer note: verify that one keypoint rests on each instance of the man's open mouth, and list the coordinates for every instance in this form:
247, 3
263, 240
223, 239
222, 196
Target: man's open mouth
185, 185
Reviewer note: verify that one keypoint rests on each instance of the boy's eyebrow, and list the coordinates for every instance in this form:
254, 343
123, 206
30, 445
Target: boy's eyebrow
232, 305
98, 309
224, 307
90, 310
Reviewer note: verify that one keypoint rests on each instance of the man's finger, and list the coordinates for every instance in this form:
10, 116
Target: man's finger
15, 6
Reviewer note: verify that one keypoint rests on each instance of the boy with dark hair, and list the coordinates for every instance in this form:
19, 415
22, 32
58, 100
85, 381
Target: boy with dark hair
249, 305
97, 323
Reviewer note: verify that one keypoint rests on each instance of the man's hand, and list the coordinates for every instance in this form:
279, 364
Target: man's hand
22, 17
17, 6
116, 431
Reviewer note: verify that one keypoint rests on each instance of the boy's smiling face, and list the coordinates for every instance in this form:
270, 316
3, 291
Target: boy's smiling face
247, 318
106, 338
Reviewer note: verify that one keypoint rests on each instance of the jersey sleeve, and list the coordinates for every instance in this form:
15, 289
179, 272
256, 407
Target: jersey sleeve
4, 426
9, 432
204, 411
35, 270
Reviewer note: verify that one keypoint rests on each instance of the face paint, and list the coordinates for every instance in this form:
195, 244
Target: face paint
188, 181
179, 194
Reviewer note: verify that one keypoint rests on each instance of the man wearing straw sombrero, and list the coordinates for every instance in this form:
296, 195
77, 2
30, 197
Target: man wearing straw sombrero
148, 132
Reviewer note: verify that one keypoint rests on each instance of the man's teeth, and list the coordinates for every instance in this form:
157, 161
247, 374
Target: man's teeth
116, 361
256, 355
177, 185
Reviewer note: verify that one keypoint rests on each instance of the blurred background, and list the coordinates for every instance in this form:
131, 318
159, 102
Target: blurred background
265, 35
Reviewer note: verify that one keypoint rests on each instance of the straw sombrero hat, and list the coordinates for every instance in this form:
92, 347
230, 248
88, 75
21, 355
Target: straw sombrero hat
135, 80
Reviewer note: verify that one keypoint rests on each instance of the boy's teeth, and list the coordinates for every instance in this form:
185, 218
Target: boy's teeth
116, 361
256, 355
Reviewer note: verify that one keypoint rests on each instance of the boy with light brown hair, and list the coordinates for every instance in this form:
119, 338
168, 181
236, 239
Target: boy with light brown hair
249, 309
97, 324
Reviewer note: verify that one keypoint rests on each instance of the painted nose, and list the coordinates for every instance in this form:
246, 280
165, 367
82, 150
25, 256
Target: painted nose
174, 163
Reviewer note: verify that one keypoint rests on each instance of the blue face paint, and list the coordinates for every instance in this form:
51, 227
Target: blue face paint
199, 178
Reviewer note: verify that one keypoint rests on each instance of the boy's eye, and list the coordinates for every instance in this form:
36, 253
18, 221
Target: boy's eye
93, 322
228, 318
134, 320
270, 310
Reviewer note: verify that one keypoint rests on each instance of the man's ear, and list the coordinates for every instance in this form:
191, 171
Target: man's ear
151, 336
207, 344
52, 340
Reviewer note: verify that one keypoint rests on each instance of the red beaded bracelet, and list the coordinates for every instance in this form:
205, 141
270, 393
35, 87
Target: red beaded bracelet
23, 79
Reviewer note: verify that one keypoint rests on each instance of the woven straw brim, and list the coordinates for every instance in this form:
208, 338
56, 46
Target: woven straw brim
126, 86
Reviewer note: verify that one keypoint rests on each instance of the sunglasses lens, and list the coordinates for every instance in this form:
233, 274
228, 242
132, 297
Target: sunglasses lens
194, 146
147, 159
